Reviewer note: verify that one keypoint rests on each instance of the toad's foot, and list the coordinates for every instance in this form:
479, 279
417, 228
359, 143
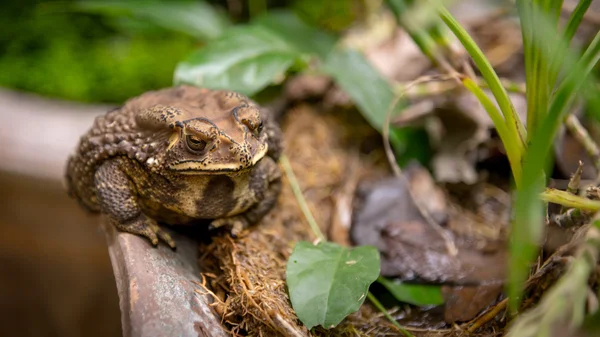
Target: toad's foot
144, 226
235, 224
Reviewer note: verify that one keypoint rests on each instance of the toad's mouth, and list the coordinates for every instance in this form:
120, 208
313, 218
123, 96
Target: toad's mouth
193, 167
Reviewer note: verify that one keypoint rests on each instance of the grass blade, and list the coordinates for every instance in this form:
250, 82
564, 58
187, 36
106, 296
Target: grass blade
527, 228
565, 95
569, 32
540, 71
512, 120
575, 19
420, 36
513, 148
565, 302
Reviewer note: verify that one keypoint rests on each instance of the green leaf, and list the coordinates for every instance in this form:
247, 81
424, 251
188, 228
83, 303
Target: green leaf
540, 72
511, 144
576, 18
304, 38
372, 94
512, 120
195, 18
367, 88
245, 59
327, 282
528, 226
417, 294
332, 15
249, 58
425, 33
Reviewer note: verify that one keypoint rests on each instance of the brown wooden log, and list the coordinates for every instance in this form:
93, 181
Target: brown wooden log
156, 287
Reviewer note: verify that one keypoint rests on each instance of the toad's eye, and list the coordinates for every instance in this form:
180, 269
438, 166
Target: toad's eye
195, 144
255, 126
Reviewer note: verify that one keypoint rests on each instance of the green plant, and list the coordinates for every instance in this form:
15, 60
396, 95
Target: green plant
260, 53
250, 57
545, 58
100, 51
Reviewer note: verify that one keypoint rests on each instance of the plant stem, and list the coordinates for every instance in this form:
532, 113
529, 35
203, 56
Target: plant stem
513, 149
381, 308
583, 137
565, 301
565, 198
300, 198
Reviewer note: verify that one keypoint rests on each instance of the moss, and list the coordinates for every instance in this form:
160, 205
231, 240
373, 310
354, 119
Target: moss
84, 57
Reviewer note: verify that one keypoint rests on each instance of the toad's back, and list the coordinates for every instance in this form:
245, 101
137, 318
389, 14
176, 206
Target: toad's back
118, 133
175, 155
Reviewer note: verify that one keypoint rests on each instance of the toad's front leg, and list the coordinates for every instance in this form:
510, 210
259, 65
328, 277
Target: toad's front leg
267, 173
118, 200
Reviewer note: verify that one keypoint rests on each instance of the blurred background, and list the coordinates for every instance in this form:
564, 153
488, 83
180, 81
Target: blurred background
61, 64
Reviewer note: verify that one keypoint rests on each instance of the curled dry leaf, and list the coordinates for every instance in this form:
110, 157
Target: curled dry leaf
411, 249
465, 302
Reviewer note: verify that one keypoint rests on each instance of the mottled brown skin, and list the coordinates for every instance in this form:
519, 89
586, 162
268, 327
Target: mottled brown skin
177, 155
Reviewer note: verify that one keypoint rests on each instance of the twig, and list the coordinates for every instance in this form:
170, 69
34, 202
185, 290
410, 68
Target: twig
438, 87
450, 247
583, 137
486, 316
573, 217
575, 180
300, 198
573, 185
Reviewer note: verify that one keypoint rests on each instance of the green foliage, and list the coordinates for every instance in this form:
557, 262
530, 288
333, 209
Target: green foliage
306, 39
528, 225
327, 282
515, 128
368, 89
248, 58
420, 32
84, 57
373, 95
195, 18
545, 58
417, 294
318, 13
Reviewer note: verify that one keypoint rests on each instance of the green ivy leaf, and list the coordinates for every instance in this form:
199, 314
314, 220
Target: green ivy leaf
417, 294
194, 18
245, 59
327, 282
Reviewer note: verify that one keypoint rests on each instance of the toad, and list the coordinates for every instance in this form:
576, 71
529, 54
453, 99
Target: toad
178, 155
